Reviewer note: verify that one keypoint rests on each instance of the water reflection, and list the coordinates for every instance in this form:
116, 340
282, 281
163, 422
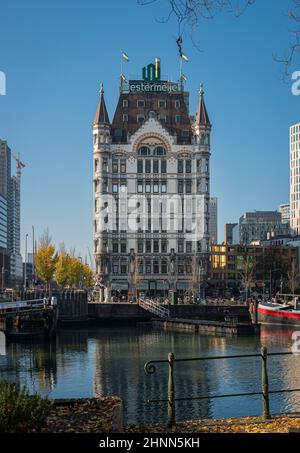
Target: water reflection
109, 361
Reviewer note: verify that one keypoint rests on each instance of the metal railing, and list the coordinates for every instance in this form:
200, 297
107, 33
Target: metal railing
171, 397
26, 305
154, 307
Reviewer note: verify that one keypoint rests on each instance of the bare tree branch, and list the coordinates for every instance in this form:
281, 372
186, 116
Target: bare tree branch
189, 13
289, 55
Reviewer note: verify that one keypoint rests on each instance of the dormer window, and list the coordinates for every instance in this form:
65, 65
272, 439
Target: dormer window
140, 103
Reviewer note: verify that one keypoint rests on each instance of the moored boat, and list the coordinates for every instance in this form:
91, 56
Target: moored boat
282, 313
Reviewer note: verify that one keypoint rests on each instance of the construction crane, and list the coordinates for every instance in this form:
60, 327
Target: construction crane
20, 165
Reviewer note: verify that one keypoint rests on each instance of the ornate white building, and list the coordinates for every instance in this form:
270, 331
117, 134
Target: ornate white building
151, 189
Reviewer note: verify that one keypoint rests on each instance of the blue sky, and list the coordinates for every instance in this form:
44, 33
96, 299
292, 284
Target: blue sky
55, 54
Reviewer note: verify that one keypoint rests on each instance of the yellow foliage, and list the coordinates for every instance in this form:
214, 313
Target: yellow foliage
45, 261
62, 269
70, 271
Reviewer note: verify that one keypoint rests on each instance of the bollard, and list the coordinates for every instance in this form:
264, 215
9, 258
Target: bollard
265, 384
171, 392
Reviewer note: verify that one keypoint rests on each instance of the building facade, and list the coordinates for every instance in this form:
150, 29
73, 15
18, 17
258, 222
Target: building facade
229, 233
151, 189
295, 177
10, 217
285, 212
258, 226
213, 220
228, 262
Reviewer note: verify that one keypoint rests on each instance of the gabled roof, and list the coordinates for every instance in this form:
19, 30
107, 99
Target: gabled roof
202, 118
101, 116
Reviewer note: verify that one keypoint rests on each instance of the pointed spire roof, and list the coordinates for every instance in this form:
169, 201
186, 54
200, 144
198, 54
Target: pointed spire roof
101, 116
202, 118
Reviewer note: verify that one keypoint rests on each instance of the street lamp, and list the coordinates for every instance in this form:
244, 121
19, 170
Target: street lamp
271, 272
25, 265
80, 281
3, 272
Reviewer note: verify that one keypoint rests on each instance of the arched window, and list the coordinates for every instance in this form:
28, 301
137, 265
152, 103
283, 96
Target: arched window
159, 151
144, 151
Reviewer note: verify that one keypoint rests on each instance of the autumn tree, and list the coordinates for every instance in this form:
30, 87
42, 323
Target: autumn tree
45, 259
87, 276
62, 269
71, 272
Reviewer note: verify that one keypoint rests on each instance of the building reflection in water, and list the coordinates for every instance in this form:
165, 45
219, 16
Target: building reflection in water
119, 370
33, 365
100, 361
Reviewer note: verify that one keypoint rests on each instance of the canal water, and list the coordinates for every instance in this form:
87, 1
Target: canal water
98, 361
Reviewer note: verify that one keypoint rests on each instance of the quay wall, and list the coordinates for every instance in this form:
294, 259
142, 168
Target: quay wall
74, 306
71, 305
122, 311
206, 327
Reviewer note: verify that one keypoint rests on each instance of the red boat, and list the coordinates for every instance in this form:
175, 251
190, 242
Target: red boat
282, 313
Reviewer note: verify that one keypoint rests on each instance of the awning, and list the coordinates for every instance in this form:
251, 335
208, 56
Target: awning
182, 285
162, 285
119, 285
143, 286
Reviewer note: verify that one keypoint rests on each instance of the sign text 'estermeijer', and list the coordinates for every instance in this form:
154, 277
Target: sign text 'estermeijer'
152, 81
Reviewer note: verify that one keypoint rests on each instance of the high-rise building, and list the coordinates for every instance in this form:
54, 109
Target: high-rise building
284, 210
260, 225
10, 216
295, 178
213, 220
5, 171
151, 188
16, 264
229, 233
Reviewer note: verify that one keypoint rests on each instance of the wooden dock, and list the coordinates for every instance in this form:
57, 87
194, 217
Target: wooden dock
23, 319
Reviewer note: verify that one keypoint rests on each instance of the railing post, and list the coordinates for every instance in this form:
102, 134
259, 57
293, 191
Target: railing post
256, 312
171, 391
265, 384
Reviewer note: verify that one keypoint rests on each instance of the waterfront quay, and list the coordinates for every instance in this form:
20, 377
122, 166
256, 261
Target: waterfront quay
73, 307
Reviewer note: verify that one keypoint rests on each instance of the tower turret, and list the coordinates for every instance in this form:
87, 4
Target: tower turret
102, 182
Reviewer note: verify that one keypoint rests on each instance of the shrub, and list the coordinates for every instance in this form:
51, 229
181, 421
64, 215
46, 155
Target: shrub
21, 412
